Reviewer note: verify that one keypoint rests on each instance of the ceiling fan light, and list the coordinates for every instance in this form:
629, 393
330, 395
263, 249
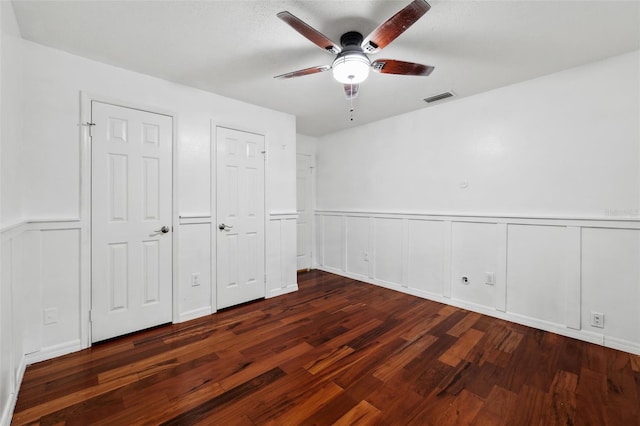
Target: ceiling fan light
351, 68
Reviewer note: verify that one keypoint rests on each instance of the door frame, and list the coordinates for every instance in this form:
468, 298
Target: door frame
214, 201
84, 128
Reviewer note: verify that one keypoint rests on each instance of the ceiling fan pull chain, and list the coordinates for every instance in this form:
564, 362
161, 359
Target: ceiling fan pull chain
351, 101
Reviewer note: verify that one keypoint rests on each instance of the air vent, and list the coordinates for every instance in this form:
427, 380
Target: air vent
439, 97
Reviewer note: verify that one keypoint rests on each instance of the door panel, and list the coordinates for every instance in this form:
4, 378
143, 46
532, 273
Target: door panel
304, 188
131, 200
240, 214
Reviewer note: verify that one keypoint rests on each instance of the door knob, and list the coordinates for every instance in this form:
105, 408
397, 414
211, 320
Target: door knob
224, 227
164, 229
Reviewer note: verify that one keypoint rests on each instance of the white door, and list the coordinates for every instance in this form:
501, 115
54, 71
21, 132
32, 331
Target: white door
131, 209
241, 217
304, 188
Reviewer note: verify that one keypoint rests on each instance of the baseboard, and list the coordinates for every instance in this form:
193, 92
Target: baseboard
195, 313
561, 329
622, 345
55, 351
280, 291
9, 407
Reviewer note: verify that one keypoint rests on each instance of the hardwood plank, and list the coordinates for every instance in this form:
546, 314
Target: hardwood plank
531, 405
315, 401
462, 410
461, 348
465, 324
362, 414
497, 408
329, 358
591, 395
243, 390
402, 357
563, 399
338, 351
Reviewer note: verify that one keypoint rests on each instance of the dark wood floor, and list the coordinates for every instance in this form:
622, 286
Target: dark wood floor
336, 352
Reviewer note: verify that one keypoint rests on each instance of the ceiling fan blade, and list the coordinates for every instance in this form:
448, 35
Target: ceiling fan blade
391, 66
309, 32
394, 26
306, 71
351, 90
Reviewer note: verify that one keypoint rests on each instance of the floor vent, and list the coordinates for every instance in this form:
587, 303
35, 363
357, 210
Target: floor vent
439, 97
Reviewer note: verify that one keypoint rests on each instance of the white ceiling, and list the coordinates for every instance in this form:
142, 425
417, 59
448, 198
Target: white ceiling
234, 48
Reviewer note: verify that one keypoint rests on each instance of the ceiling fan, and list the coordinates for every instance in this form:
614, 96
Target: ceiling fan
351, 65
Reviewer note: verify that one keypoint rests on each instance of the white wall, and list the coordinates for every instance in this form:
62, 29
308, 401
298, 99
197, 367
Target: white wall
306, 145
564, 144
11, 344
45, 233
11, 99
552, 205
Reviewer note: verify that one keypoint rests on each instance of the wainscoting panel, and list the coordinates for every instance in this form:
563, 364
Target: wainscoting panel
358, 246
474, 248
195, 270
536, 272
544, 272
333, 238
29, 295
388, 251
281, 254
425, 253
611, 281
60, 279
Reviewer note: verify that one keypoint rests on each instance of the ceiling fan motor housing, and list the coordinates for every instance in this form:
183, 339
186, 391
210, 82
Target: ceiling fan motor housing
351, 38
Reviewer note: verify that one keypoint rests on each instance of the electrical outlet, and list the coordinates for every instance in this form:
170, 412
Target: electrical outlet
365, 256
597, 319
195, 279
489, 278
50, 316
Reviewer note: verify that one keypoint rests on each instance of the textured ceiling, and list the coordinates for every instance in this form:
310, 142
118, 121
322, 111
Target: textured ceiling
234, 48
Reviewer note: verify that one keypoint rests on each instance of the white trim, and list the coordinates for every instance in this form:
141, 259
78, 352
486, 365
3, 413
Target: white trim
621, 345
213, 216
585, 222
195, 220
34, 224
54, 351
12, 226
447, 259
573, 278
7, 412
195, 313
282, 215
502, 254
282, 290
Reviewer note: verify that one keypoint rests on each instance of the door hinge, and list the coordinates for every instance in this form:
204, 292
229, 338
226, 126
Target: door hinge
90, 316
90, 126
